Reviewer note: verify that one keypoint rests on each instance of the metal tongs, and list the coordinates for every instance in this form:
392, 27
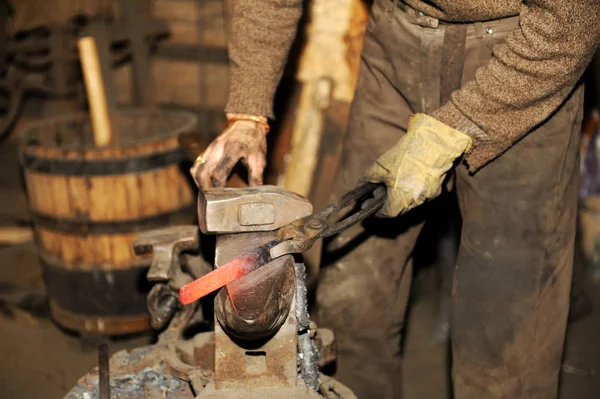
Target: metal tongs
296, 237
301, 235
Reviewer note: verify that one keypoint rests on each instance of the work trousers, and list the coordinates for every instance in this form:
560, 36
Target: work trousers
512, 279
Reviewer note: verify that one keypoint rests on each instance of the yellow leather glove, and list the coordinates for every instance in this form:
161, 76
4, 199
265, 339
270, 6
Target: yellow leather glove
415, 168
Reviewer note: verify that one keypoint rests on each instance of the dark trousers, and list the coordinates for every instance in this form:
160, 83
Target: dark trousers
512, 280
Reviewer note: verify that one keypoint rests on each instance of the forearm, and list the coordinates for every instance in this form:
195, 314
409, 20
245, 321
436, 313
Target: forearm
528, 78
261, 36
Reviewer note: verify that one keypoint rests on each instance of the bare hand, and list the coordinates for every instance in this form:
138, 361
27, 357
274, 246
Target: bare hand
243, 140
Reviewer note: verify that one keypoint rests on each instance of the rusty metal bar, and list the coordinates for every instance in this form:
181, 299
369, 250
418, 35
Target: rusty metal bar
103, 370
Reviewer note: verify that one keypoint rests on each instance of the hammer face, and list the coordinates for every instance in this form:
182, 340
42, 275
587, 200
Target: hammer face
252, 209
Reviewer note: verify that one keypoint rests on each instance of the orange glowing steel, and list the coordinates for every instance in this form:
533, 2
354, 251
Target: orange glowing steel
227, 273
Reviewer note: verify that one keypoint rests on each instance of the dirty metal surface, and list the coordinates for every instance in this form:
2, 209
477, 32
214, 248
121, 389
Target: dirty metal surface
256, 305
164, 369
162, 303
270, 362
183, 369
179, 367
254, 302
258, 331
217, 365
252, 209
308, 353
166, 245
284, 363
299, 392
139, 373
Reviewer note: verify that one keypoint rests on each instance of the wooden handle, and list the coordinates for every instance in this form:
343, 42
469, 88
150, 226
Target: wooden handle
96, 94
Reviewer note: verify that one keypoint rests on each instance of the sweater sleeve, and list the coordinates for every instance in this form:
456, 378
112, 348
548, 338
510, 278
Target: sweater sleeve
261, 36
528, 77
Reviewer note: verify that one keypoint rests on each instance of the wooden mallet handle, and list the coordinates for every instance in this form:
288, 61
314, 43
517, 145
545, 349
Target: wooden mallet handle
96, 94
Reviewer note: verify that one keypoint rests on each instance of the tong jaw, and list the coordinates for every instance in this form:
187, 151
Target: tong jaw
299, 236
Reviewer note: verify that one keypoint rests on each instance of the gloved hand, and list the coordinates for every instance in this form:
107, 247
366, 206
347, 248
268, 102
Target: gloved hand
415, 168
243, 140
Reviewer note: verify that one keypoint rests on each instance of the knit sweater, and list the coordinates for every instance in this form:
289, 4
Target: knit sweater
527, 79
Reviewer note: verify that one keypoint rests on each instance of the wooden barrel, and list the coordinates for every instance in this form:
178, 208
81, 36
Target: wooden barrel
88, 204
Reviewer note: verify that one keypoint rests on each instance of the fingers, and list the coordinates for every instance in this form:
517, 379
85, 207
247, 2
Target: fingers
256, 167
212, 156
194, 173
221, 162
198, 167
202, 173
223, 169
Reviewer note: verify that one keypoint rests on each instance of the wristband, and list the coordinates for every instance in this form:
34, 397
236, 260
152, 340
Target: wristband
242, 117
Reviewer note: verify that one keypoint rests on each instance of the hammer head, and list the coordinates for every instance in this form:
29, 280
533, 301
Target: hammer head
250, 209
166, 244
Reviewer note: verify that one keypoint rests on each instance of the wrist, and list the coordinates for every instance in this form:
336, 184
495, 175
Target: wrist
257, 119
449, 138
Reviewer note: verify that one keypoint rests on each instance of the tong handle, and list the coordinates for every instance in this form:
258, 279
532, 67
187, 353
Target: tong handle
368, 207
301, 235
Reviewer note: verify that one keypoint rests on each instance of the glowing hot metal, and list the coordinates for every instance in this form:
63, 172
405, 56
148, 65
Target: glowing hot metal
227, 273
